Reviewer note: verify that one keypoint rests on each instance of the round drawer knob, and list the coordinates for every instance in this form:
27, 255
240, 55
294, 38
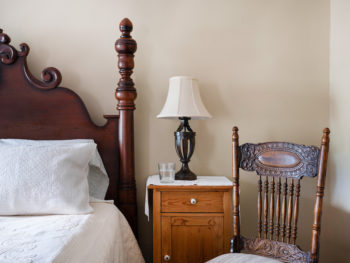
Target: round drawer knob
166, 258
193, 201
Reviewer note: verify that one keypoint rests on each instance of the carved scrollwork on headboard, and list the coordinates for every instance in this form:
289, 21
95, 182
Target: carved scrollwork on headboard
24, 50
284, 159
51, 77
8, 54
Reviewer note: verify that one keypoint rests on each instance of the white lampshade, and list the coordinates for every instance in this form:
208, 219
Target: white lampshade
184, 100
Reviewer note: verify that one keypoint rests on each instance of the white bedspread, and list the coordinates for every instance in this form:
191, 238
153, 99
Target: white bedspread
104, 236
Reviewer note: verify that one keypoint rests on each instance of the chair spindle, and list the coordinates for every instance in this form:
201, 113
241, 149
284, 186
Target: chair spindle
290, 210
259, 207
266, 205
284, 210
278, 208
272, 206
296, 212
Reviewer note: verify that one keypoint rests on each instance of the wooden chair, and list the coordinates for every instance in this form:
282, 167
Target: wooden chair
280, 167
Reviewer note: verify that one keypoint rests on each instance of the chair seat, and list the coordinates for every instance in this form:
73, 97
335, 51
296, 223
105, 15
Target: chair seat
242, 258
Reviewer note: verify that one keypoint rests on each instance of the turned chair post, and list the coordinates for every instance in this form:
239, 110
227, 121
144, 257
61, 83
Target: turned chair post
321, 178
235, 191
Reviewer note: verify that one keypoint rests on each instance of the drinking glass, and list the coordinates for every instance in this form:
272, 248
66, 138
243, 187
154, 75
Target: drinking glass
166, 172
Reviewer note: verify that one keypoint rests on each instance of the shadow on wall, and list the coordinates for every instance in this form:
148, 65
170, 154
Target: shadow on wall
335, 235
143, 130
335, 230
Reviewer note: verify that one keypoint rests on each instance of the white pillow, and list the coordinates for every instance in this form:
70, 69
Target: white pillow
98, 179
51, 179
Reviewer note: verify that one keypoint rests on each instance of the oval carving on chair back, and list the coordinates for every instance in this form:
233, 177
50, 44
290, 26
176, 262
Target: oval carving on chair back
279, 159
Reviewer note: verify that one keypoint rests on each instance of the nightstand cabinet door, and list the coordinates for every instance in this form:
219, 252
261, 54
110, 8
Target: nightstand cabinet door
192, 238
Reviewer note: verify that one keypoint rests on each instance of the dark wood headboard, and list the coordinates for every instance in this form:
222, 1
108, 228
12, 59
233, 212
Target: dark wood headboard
34, 109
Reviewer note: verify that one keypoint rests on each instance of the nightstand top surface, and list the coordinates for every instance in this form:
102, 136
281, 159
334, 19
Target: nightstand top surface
153, 182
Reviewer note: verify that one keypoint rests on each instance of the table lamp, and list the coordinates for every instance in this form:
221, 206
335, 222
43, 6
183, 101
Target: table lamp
184, 103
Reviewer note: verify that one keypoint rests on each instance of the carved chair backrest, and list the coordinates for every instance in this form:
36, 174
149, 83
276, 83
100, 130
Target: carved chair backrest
280, 166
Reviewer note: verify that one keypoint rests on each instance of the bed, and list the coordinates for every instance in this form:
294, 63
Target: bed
35, 109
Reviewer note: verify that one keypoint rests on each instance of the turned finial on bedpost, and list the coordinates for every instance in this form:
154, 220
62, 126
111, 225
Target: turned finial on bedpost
126, 94
126, 47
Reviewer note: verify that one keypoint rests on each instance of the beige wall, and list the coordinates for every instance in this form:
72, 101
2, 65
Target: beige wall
336, 236
262, 65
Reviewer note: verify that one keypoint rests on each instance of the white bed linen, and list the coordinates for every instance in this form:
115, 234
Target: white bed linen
97, 178
242, 258
45, 179
103, 236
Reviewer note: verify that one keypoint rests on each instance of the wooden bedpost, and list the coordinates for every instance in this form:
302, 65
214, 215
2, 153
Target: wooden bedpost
235, 176
126, 94
321, 179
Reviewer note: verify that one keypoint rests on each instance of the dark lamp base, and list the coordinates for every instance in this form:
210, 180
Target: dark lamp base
184, 145
185, 175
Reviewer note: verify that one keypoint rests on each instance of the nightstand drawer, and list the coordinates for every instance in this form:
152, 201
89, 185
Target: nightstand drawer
192, 201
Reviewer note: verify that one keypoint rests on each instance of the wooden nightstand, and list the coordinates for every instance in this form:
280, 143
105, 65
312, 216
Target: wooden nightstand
191, 223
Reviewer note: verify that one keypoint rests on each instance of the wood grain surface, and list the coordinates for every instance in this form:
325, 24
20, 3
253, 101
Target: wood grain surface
186, 232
